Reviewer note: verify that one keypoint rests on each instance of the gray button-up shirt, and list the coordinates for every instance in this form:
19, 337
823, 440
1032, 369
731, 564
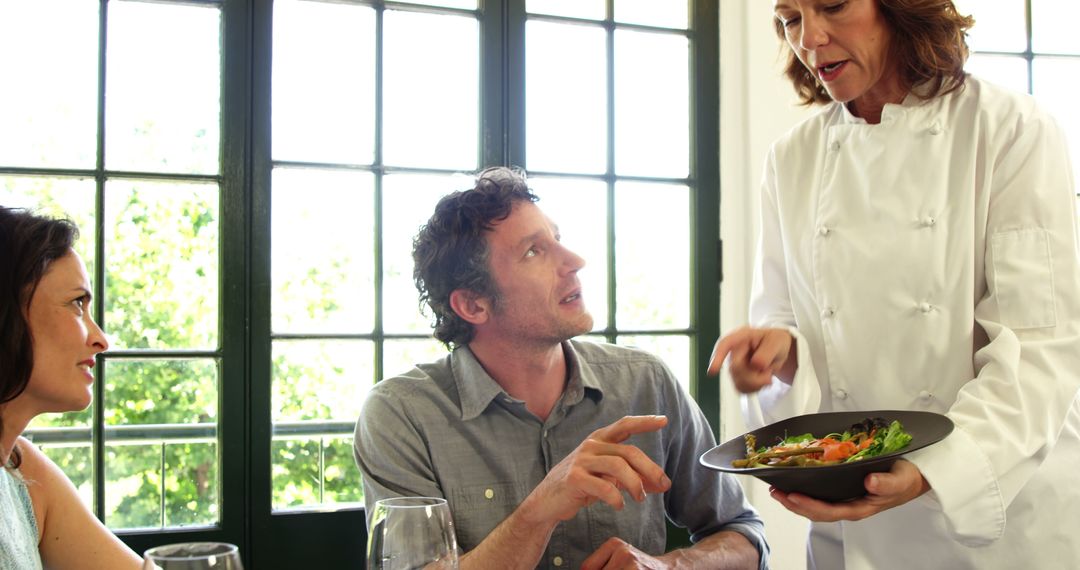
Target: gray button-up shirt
447, 429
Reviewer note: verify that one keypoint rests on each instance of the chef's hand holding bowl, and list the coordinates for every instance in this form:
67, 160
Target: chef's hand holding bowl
757, 355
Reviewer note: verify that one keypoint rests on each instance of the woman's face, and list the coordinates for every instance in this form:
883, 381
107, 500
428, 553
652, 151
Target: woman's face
65, 337
844, 43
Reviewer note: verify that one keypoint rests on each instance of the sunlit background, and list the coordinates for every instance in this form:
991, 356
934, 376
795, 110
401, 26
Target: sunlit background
375, 111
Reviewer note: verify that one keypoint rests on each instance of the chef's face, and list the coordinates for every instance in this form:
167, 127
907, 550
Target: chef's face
844, 43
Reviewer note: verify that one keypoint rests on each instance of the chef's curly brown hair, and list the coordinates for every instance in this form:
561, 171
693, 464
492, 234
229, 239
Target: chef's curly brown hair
451, 250
929, 41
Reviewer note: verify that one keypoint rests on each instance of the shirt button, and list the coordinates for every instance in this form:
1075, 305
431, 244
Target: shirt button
840, 394
488, 493
926, 307
924, 395
557, 561
936, 128
828, 312
824, 231
835, 146
928, 222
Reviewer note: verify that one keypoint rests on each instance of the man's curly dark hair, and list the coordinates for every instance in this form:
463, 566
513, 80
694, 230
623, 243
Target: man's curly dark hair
451, 251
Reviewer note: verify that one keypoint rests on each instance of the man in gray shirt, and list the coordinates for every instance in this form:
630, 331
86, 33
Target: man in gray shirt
536, 440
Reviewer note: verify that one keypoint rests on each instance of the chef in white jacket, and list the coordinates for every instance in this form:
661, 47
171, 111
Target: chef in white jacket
919, 251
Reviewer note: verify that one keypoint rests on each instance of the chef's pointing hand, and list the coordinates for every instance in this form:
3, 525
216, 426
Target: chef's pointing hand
756, 355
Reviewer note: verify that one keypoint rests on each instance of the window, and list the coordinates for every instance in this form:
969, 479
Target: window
1025, 45
248, 177
127, 142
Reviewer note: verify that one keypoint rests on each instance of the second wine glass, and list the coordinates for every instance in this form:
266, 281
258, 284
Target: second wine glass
411, 533
193, 556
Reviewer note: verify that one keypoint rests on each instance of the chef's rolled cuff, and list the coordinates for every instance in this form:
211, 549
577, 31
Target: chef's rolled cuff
972, 504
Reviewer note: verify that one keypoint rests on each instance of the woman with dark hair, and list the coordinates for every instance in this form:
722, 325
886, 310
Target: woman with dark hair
47, 351
918, 251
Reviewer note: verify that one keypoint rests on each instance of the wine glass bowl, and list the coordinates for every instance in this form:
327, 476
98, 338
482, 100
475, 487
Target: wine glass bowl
411, 533
193, 556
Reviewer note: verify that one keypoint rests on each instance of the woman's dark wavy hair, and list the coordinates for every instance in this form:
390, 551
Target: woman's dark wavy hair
929, 41
28, 244
451, 251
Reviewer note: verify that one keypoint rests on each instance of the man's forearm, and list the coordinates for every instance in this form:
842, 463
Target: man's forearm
726, 549
517, 542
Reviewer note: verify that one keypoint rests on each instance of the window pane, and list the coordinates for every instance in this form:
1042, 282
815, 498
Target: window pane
652, 255
162, 273
669, 14
48, 106
674, 350
71, 198
163, 87
322, 251
191, 484
591, 9
152, 393
1052, 23
431, 85
323, 77
321, 380
408, 202
652, 126
465, 4
133, 485
400, 356
999, 25
565, 86
314, 470
148, 392
341, 477
1007, 71
1054, 81
579, 207
295, 469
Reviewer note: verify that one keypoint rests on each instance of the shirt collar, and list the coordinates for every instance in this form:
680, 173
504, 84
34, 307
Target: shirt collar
477, 388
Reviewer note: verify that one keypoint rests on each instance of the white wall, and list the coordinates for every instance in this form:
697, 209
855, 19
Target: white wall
756, 106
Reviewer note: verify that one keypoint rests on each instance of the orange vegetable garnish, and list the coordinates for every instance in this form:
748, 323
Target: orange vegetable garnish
838, 450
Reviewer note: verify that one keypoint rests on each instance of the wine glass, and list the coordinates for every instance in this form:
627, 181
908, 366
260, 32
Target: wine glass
193, 556
411, 533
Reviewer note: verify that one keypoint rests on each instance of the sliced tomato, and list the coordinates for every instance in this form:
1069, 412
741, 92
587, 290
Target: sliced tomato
838, 451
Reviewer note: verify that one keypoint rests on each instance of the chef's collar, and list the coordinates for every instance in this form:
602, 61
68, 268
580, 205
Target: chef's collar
916, 97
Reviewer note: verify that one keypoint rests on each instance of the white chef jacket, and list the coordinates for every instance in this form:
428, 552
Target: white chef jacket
930, 263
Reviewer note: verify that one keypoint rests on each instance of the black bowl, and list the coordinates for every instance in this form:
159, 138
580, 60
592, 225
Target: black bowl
834, 483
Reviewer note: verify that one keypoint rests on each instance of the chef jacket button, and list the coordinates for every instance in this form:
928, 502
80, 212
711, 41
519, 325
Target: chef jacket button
928, 221
936, 128
828, 312
926, 307
840, 394
835, 146
824, 231
924, 395
557, 561
489, 494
